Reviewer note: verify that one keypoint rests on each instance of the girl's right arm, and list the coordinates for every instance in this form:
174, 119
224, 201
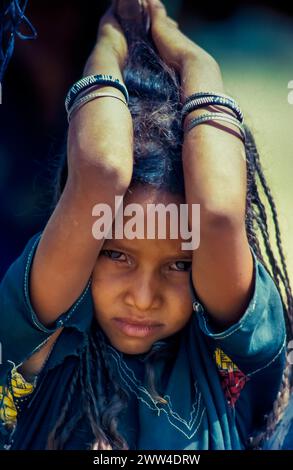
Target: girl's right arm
100, 147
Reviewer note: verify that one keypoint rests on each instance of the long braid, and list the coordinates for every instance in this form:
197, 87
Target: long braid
117, 399
257, 214
253, 157
53, 439
88, 369
278, 240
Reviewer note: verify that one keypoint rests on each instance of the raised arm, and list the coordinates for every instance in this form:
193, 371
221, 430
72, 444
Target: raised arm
215, 177
100, 146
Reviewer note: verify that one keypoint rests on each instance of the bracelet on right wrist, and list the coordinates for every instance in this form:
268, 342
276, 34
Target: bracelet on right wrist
198, 101
203, 99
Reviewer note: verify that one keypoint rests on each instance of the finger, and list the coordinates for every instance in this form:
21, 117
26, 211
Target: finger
157, 9
159, 12
172, 22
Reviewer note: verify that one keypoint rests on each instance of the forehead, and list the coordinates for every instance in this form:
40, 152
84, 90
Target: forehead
148, 195
154, 216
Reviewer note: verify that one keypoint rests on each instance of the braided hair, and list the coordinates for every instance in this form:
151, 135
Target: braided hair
155, 106
102, 398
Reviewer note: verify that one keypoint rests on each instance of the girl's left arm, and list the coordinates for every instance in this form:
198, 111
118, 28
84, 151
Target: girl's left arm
215, 177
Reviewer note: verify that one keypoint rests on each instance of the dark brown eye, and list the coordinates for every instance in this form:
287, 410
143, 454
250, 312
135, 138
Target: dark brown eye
114, 255
181, 266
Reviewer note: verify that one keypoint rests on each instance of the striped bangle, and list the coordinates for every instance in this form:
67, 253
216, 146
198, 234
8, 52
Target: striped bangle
215, 117
90, 81
200, 100
90, 97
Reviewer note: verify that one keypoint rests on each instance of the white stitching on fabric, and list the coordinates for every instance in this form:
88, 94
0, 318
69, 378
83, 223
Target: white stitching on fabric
176, 415
77, 302
241, 322
35, 320
121, 366
217, 335
271, 361
26, 273
249, 311
158, 410
30, 354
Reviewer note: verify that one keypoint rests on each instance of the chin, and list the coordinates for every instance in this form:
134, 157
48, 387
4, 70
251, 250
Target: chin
131, 347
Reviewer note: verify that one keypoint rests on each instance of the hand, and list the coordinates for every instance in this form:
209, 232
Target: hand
199, 71
174, 47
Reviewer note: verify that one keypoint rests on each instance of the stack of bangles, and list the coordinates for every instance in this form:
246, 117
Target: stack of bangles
204, 99
84, 91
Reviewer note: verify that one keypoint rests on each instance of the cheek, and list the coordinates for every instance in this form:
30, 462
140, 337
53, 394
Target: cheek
104, 288
180, 301
103, 274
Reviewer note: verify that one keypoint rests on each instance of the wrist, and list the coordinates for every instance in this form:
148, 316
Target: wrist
103, 60
200, 74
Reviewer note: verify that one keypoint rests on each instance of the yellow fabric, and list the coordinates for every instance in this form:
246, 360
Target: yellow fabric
223, 361
11, 397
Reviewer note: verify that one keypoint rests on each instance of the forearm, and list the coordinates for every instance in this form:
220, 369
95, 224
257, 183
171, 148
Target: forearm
215, 177
101, 132
99, 168
213, 158
68, 251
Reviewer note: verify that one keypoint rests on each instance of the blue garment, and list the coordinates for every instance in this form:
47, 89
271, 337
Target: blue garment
218, 385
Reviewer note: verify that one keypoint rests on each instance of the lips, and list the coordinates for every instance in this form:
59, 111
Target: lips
137, 328
140, 323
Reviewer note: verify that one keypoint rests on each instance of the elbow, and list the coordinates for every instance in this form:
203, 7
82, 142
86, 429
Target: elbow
101, 167
219, 218
108, 163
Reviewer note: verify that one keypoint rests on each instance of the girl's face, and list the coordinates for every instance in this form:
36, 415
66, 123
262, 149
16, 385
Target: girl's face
141, 287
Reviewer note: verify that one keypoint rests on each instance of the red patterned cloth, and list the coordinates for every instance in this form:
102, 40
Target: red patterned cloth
232, 378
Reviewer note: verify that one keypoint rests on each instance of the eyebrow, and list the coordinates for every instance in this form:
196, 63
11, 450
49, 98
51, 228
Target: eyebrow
179, 255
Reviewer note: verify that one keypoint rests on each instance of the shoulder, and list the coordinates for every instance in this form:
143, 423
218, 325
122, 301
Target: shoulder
24, 339
258, 339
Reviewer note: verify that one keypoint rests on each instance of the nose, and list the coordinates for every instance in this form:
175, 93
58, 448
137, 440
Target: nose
143, 292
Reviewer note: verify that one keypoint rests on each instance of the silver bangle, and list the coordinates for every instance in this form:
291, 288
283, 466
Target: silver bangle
87, 82
203, 94
90, 97
198, 102
215, 117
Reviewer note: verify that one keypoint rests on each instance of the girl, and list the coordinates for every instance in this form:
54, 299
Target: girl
135, 343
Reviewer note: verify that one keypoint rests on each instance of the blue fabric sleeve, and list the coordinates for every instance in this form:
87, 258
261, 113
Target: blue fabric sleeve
259, 338
21, 333
257, 346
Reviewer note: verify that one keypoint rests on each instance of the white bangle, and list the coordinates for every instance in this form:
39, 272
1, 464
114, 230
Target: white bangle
90, 97
216, 117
